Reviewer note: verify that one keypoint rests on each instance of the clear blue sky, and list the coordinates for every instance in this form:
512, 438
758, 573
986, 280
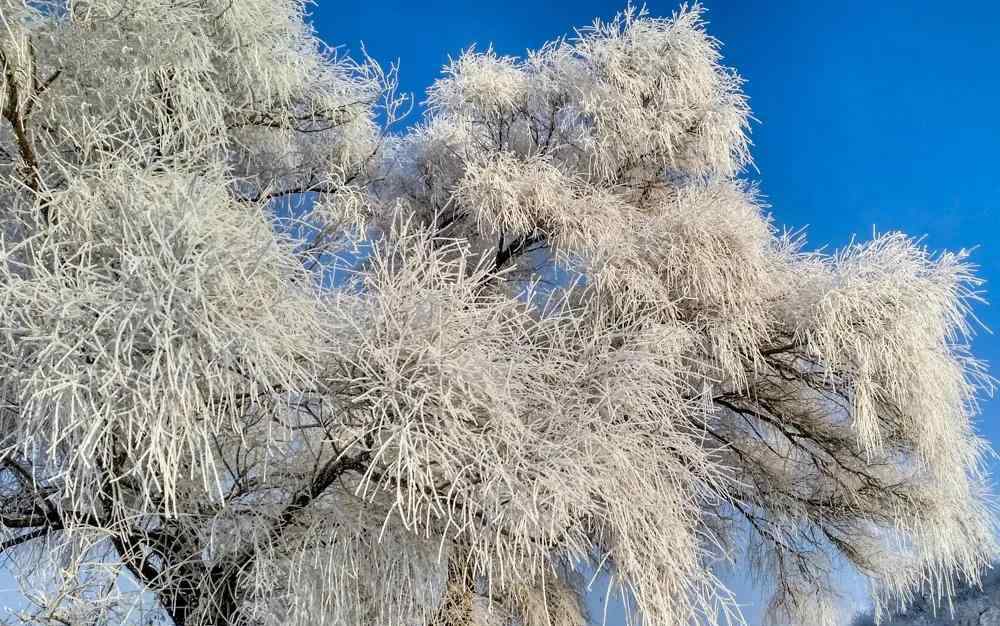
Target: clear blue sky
873, 115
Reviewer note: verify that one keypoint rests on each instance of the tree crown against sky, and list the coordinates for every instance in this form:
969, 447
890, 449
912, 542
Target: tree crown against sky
577, 341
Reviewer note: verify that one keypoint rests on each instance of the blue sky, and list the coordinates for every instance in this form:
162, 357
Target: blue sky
873, 115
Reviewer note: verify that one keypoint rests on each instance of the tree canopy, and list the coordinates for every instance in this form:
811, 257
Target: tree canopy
571, 338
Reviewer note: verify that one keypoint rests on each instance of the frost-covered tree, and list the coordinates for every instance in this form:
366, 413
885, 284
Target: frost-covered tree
576, 342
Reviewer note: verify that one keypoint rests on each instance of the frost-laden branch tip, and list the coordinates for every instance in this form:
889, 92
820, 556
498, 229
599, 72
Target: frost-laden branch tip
265, 360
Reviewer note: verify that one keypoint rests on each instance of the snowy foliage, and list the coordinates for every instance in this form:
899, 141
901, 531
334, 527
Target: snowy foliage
576, 342
972, 605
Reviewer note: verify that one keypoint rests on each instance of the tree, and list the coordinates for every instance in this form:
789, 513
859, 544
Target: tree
975, 605
576, 341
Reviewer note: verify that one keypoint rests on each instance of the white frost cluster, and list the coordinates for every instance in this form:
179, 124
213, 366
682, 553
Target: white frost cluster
575, 342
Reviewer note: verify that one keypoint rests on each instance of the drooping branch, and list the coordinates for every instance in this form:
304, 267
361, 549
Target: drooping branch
225, 578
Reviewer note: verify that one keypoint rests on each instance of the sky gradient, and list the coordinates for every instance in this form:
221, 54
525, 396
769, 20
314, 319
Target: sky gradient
871, 116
